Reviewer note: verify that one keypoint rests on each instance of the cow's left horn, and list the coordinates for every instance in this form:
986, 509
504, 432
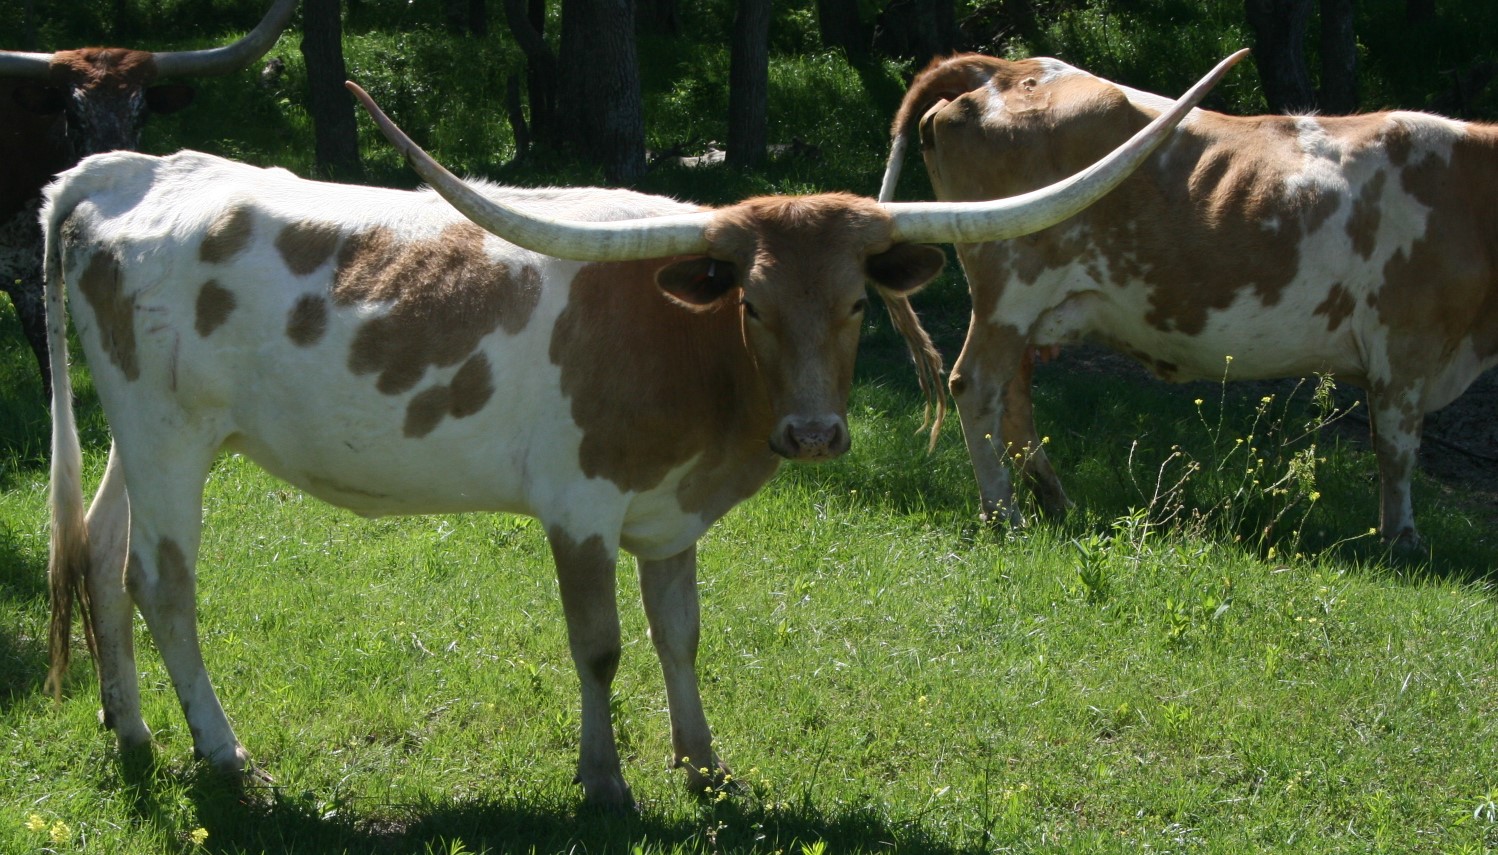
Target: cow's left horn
999, 219
15, 63
620, 240
231, 57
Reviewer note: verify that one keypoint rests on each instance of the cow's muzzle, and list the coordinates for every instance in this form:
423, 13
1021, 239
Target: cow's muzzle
810, 439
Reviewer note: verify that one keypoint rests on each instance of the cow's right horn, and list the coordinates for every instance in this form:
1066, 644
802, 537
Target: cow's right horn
230, 57
621, 240
999, 219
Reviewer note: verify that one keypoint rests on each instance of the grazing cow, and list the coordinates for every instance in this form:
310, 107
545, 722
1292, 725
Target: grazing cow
1360, 246
383, 352
57, 108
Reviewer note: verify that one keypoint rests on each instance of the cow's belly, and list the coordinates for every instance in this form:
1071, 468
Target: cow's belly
478, 467
1246, 340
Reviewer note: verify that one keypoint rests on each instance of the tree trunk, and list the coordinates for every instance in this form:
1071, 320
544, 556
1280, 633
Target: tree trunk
842, 27
659, 16
466, 17
527, 20
332, 108
917, 29
749, 83
598, 101
1419, 11
1339, 58
1279, 52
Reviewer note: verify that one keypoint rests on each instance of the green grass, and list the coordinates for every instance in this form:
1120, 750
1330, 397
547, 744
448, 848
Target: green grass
880, 671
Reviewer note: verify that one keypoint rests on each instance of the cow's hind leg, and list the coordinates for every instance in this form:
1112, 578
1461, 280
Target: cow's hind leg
111, 612
669, 589
166, 502
1396, 421
585, 574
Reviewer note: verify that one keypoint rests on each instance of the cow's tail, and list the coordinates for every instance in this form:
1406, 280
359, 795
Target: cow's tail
944, 79
67, 565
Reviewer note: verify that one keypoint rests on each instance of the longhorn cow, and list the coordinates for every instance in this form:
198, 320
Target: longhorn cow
57, 108
1272, 246
624, 368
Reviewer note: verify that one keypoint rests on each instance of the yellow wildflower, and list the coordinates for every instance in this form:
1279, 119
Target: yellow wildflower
199, 836
35, 822
59, 832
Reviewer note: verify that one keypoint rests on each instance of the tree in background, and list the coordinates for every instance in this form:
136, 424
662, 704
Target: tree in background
1280, 28
335, 134
527, 22
918, 30
843, 27
599, 111
749, 83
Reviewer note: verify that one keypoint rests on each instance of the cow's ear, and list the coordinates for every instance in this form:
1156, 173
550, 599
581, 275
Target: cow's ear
169, 97
905, 267
697, 282
40, 99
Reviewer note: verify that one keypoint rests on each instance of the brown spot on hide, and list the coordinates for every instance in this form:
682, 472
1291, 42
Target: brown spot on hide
1445, 288
102, 284
308, 320
172, 565
227, 235
306, 246
1337, 306
215, 303
653, 384
471, 388
111, 68
1362, 224
444, 295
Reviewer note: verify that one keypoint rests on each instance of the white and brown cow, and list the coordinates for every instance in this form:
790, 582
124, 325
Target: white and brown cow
381, 351
57, 108
1361, 246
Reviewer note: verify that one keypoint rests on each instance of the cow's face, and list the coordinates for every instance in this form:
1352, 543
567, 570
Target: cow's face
105, 96
798, 268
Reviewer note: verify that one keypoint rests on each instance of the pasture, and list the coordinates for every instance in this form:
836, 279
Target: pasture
1166, 670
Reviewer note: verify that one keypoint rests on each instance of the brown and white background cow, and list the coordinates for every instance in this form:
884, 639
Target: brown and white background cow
1364, 246
624, 368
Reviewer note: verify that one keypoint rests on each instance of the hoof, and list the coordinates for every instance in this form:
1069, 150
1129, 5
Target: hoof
609, 793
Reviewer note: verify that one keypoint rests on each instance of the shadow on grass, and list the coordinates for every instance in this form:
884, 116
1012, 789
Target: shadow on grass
270, 819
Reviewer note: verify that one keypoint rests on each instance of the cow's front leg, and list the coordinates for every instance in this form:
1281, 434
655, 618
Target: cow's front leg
585, 573
990, 359
669, 589
1396, 421
1024, 445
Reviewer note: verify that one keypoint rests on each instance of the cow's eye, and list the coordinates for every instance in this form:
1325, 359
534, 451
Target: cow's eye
749, 309
859, 306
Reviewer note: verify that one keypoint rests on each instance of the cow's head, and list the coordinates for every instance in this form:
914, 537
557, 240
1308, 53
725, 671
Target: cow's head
798, 268
106, 94
798, 265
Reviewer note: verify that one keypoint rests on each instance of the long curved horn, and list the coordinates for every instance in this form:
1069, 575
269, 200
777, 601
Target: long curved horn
15, 63
999, 219
232, 57
621, 240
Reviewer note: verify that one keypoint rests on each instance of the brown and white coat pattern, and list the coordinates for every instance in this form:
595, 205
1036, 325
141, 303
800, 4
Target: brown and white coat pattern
384, 353
1271, 246
381, 352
